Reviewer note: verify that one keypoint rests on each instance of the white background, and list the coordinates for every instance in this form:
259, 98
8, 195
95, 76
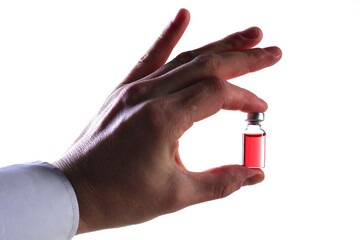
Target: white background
60, 59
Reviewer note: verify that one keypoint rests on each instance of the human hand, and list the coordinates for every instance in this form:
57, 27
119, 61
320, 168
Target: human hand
125, 167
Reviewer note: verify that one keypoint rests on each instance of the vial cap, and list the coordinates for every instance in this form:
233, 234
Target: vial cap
255, 117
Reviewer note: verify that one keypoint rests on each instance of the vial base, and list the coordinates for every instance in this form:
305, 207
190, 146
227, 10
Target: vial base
254, 150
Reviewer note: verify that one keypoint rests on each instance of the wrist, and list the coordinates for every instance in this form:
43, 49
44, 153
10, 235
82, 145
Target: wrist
81, 188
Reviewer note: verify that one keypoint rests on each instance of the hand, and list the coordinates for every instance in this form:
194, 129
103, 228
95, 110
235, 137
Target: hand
125, 167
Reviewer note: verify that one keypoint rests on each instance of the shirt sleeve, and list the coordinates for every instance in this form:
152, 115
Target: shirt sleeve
37, 202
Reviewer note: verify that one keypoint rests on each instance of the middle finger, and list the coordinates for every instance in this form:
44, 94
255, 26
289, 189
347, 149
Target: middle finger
234, 42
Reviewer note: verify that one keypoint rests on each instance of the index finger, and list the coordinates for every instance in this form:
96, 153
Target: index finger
207, 97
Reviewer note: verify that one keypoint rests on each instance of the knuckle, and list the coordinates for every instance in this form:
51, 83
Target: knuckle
185, 57
221, 191
210, 62
257, 58
234, 41
160, 118
250, 54
251, 60
228, 184
217, 86
132, 93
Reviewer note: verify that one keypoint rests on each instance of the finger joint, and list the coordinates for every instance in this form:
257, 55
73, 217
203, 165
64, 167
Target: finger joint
210, 62
185, 57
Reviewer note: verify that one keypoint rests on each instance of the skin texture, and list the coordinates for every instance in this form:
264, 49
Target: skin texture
125, 167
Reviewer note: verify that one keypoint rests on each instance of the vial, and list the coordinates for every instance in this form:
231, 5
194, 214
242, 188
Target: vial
254, 141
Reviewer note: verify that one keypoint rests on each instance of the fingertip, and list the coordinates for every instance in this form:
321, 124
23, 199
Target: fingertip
253, 33
259, 31
260, 34
183, 15
275, 51
264, 105
250, 33
254, 104
184, 11
252, 37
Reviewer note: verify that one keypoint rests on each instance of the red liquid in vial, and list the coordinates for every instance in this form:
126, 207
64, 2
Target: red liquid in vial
254, 150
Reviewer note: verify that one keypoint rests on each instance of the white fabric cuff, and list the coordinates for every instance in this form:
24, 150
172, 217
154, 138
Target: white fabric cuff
37, 202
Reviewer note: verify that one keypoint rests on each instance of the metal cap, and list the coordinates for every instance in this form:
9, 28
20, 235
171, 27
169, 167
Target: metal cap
255, 117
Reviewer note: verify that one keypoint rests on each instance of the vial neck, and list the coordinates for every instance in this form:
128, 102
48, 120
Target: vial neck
253, 126
254, 123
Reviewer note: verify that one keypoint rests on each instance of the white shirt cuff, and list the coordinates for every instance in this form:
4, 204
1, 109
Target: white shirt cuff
37, 202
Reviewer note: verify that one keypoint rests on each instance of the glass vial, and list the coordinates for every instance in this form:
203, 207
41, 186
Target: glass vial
254, 141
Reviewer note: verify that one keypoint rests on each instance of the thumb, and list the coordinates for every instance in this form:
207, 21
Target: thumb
220, 182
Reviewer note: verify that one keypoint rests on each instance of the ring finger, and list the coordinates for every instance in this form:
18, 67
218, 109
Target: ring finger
225, 65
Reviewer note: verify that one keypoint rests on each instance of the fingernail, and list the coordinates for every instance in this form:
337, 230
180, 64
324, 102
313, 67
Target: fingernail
250, 33
253, 180
273, 51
